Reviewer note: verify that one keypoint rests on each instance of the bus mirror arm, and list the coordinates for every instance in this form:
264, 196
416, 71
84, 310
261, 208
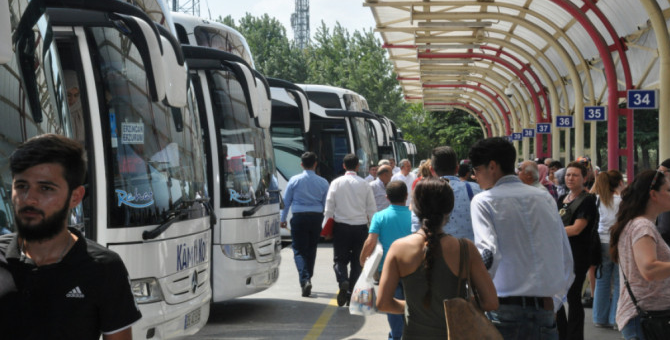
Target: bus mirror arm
281, 200
177, 215
259, 203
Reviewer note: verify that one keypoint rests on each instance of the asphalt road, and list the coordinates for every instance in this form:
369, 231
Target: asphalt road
282, 313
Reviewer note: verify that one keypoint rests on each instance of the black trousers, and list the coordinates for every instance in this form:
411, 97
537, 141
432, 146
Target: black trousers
572, 326
348, 242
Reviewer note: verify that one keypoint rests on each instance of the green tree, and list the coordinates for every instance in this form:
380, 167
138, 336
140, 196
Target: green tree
356, 61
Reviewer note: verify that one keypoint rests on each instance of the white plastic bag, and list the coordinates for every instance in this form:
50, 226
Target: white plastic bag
363, 297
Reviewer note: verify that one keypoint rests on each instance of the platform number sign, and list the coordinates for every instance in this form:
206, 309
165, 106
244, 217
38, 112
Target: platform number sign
528, 133
595, 114
516, 136
643, 99
565, 122
543, 128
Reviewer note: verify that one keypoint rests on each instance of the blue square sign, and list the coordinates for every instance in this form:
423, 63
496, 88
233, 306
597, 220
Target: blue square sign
516, 136
565, 122
528, 133
595, 114
543, 128
643, 99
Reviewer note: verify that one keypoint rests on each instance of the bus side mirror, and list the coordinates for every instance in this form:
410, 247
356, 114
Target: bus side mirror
5, 33
144, 37
303, 107
263, 106
174, 70
251, 88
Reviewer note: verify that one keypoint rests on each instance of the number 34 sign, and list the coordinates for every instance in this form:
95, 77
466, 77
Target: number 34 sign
642, 99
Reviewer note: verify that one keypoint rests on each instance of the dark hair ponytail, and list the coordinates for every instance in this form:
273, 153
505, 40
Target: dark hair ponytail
432, 200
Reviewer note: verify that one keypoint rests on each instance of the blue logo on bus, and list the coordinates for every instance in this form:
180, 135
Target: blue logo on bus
191, 255
136, 199
239, 198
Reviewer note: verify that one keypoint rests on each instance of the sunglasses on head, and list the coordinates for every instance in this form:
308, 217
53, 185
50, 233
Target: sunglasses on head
656, 177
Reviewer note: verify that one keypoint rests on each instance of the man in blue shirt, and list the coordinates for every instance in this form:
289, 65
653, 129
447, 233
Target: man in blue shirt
306, 192
387, 226
444, 163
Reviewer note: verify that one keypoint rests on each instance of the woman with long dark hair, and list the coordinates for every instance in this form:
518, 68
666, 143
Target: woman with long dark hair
637, 246
607, 188
427, 262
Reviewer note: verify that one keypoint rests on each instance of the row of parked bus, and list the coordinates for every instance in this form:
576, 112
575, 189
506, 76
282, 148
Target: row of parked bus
188, 145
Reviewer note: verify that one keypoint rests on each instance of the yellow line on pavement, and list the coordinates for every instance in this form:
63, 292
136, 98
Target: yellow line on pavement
321, 323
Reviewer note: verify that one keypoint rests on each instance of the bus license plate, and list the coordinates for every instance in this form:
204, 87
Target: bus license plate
192, 318
272, 276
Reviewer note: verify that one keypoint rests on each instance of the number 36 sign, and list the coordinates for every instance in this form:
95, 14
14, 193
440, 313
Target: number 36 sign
565, 122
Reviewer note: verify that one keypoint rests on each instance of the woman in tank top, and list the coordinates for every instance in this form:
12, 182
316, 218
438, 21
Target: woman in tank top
427, 263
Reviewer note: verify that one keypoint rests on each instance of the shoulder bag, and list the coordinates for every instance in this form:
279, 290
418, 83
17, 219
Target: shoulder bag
465, 320
655, 323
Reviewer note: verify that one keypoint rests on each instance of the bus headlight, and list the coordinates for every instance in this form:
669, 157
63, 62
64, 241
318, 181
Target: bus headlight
239, 251
146, 290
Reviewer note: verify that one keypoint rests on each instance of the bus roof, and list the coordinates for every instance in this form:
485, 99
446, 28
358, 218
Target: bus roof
203, 32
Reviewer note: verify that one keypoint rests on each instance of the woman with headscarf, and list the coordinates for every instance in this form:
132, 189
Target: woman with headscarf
544, 171
74, 103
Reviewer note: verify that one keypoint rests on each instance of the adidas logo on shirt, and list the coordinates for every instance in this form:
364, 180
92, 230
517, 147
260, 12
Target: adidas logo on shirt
75, 293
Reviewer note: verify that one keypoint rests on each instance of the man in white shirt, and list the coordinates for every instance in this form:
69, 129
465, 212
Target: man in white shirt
393, 166
523, 244
378, 187
351, 204
406, 176
372, 174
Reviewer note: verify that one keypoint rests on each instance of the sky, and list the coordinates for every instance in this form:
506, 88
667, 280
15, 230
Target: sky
349, 13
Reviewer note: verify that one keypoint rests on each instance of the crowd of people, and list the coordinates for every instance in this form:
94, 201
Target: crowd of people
536, 232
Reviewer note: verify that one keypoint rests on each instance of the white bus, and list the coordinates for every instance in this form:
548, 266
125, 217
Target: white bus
339, 126
147, 196
235, 106
289, 129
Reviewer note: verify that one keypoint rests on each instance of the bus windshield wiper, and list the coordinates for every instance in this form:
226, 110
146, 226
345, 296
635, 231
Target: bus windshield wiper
261, 201
175, 214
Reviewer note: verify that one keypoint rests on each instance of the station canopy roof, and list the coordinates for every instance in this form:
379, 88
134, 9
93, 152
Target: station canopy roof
518, 62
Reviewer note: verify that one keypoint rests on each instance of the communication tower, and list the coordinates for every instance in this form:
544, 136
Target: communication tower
191, 7
300, 23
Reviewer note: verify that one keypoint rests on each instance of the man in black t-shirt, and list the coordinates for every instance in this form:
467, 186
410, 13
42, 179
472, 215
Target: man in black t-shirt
68, 287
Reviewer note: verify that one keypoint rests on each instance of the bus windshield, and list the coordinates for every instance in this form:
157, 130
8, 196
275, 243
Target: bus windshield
156, 158
246, 161
366, 151
289, 145
329, 140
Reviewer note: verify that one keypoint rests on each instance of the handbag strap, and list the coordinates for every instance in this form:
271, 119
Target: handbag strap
464, 266
630, 292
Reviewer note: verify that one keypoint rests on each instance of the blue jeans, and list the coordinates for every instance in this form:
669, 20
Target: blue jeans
633, 330
518, 322
397, 321
305, 231
606, 295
